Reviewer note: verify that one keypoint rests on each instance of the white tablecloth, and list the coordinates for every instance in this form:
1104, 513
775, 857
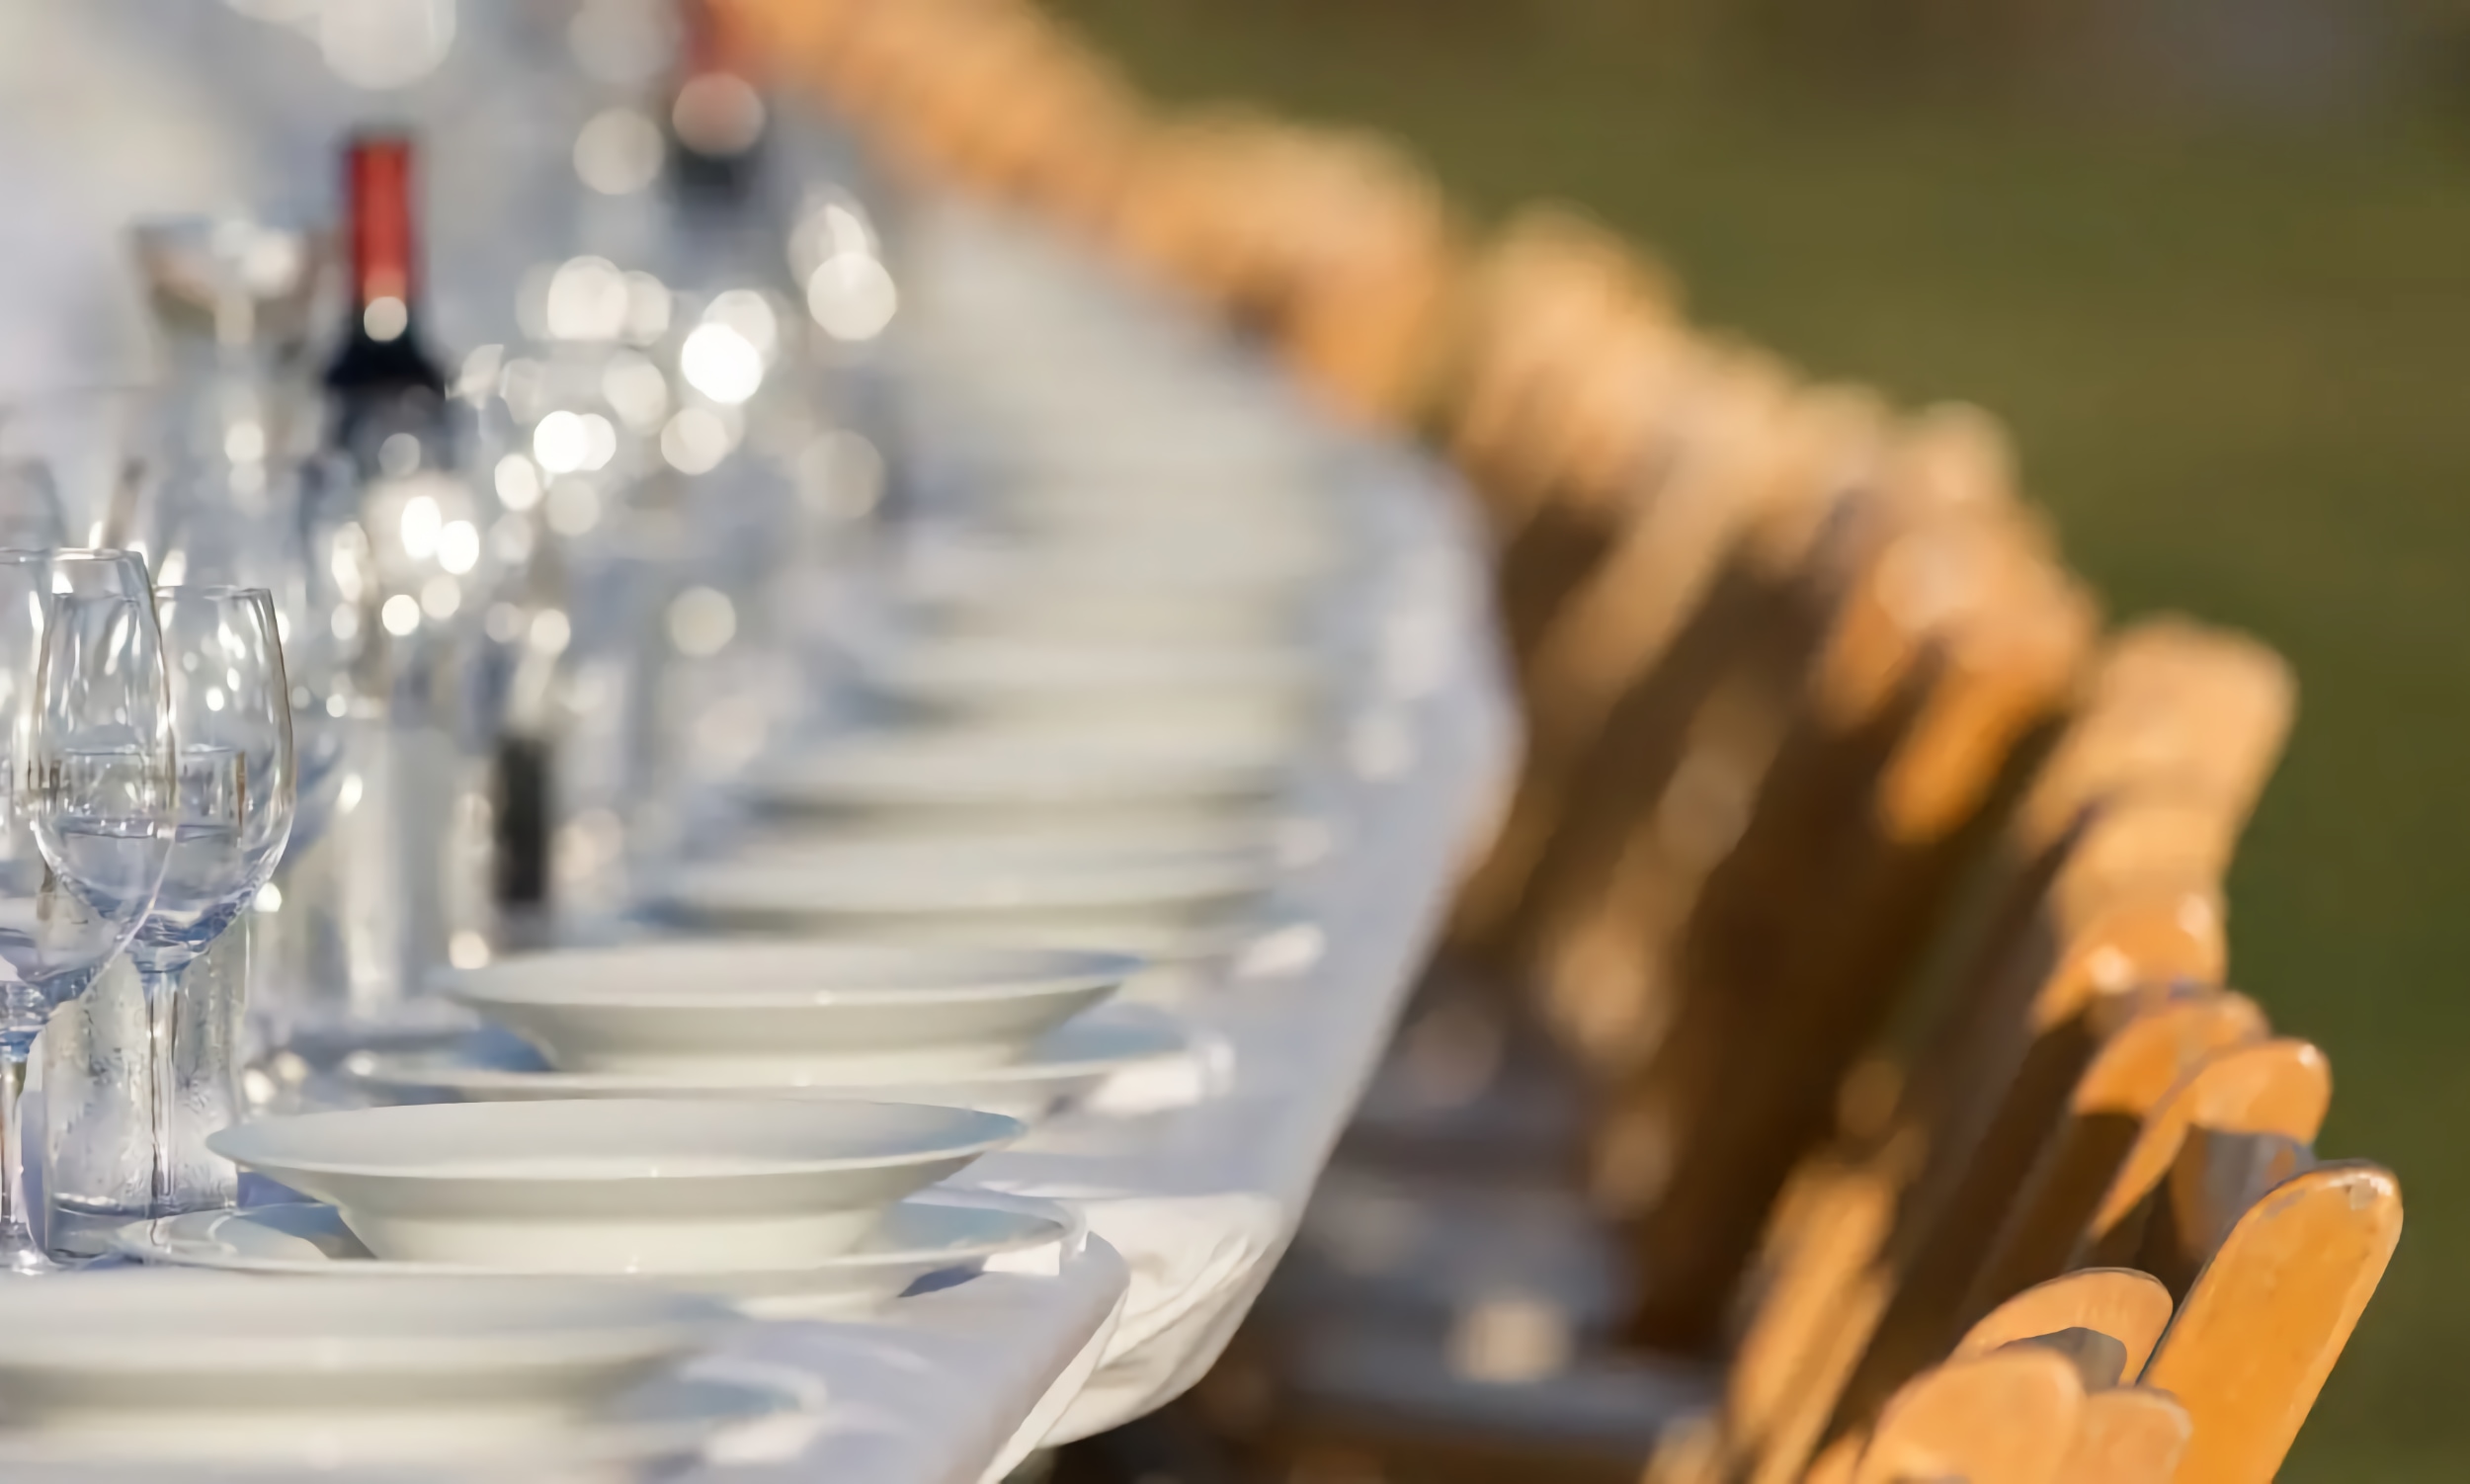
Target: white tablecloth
1189, 1207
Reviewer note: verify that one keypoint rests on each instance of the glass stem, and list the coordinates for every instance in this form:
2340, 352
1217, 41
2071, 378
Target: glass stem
17, 1234
162, 991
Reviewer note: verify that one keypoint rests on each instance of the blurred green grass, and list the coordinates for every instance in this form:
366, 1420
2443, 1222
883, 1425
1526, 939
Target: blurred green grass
2232, 351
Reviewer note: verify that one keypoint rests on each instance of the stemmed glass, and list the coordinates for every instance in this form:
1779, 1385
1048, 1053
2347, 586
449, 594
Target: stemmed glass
231, 715
86, 715
88, 462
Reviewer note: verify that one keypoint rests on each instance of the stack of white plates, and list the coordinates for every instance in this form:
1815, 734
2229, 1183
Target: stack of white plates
778, 1205
195, 1370
936, 1231
1265, 695
812, 1014
1138, 898
1007, 1030
1056, 786
616, 1185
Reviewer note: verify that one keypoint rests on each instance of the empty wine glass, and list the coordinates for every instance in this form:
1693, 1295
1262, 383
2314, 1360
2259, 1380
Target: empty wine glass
30, 507
86, 715
264, 532
231, 718
82, 465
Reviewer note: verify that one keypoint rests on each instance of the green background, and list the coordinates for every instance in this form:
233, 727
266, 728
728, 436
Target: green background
2226, 309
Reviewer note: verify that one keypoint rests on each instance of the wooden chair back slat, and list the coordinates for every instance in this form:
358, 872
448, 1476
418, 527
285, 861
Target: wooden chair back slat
2128, 1434
2256, 1337
1618, 593
2279, 1086
2130, 1307
2125, 1083
1681, 746
2007, 1418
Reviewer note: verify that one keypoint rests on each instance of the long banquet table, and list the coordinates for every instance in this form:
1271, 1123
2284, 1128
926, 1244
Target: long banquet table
1189, 1203
1189, 1207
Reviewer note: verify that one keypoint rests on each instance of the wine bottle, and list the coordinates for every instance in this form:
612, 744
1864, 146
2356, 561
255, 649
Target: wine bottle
716, 120
382, 381
408, 523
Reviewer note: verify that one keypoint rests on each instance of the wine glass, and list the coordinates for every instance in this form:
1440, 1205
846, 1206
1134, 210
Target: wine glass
271, 538
86, 714
92, 459
231, 718
30, 508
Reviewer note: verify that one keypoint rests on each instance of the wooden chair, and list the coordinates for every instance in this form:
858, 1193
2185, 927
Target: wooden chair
2061, 969
1961, 642
2110, 888
2261, 1329
2231, 1374
1687, 662
1600, 584
1370, 255
1562, 381
1981, 1416
2198, 1158
1550, 278
2005, 1417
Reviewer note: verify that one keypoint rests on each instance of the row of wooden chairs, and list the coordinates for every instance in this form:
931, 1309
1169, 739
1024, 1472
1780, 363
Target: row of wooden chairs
1872, 897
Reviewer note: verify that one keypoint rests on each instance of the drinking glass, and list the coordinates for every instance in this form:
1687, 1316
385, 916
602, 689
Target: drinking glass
93, 460
30, 508
86, 714
264, 532
143, 1066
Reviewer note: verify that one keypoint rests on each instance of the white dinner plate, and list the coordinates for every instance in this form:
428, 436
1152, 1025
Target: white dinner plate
776, 1010
990, 778
616, 1184
936, 1231
1063, 614
159, 1357
932, 890
1073, 1064
674, 1417
1260, 692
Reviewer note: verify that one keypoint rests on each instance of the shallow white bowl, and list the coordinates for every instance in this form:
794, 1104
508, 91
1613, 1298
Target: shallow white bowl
1294, 842
1260, 694
1123, 564
618, 1185
936, 891
1084, 616
668, 1421
1119, 777
1066, 1069
787, 1011
935, 1231
174, 1354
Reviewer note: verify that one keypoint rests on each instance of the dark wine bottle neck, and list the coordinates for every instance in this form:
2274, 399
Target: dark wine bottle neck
381, 376
717, 115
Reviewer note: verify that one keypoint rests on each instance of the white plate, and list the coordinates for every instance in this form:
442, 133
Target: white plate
1294, 842
161, 1356
672, 1418
1066, 1069
1260, 692
929, 890
1083, 616
990, 778
617, 1185
784, 1010
936, 1231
